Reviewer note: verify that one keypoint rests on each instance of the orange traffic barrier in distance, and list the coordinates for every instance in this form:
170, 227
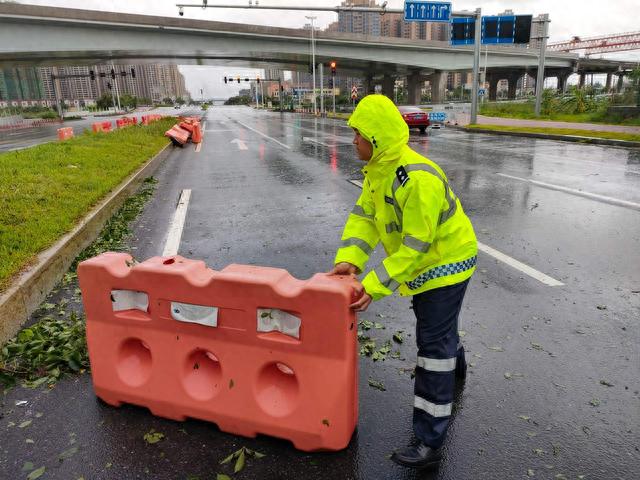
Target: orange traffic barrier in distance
106, 126
249, 348
65, 133
187, 126
178, 136
196, 134
97, 127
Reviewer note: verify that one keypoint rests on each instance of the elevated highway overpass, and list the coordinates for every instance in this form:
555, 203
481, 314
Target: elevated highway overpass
36, 35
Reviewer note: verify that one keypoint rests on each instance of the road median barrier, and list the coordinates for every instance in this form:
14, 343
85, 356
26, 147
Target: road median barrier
252, 349
617, 139
82, 183
65, 133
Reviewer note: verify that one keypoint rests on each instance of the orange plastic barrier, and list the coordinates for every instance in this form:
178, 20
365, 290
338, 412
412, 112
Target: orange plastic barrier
65, 133
106, 126
187, 126
178, 136
196, 134
97, 127
251, 349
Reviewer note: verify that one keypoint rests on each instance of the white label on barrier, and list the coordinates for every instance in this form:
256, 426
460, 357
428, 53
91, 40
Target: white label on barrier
129, 300
270, 319
187, 312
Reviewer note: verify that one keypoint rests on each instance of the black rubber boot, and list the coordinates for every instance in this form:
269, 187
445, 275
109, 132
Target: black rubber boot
417, 455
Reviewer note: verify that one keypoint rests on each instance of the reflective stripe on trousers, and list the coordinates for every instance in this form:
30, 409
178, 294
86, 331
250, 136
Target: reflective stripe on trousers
437, 338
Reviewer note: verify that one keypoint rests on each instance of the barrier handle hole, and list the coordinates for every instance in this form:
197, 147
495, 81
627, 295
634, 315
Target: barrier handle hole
284, 368
169, 261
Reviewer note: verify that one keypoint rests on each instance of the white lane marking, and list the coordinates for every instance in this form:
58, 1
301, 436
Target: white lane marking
204, 126
198, 147
264, 135
313, 140
220, 130
240, 144
593, 196
512, 262
177, 224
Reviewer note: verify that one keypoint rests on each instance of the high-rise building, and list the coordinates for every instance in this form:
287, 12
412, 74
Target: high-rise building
393, 25
359, 22
21, 83
153, 82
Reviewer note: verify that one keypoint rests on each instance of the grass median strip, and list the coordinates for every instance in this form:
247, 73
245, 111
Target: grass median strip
46, 190
629, 137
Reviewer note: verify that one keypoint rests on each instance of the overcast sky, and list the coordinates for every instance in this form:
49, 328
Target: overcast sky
568, 18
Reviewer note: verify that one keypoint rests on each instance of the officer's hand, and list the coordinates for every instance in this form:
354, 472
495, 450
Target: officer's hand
344, 268
364, 299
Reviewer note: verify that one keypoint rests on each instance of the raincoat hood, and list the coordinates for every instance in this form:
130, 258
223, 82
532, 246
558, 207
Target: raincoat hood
379, 121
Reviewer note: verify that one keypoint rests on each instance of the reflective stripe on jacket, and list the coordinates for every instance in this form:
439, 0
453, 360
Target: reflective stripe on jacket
408, 205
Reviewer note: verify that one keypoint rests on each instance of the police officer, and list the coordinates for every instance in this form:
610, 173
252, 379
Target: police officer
408, 205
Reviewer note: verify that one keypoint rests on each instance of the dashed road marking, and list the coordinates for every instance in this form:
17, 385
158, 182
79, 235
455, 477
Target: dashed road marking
573, 191
177, 225
526, 269
264, 135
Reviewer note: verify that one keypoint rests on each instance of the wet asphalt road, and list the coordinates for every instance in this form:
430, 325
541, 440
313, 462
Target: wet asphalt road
537, 401
18, 139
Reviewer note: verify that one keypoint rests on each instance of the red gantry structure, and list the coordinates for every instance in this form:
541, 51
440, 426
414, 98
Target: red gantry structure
617, 42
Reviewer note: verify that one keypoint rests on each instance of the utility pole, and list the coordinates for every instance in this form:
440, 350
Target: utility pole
313, 62
321, 88
115, 86
543, 51
476, 66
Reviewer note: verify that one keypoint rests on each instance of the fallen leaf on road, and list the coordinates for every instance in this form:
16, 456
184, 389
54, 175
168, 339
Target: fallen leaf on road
25, 424
496, 349
539, 451
594, 402
601, 307
222, 476
524, 417
36, 473
239, 462
27, 467
530, 473
68, 453
606, 383
376, 384
153, 437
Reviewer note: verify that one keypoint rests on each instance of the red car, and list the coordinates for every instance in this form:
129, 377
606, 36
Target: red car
415, 118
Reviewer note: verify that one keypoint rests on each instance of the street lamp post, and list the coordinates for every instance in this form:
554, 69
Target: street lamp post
313, 62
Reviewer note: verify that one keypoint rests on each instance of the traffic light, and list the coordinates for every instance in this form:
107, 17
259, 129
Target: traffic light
109, 85
238, 79
113, 74
258, 79
92, 75
133, 72
282, 88
333, 68
123, 74
225, 80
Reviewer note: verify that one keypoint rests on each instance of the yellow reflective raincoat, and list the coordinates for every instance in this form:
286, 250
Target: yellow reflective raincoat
408, 204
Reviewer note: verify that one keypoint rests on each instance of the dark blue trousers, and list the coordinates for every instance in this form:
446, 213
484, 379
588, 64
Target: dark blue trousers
437, 338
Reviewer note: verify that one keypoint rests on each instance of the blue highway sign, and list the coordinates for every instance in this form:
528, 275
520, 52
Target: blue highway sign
420, 11
498, 29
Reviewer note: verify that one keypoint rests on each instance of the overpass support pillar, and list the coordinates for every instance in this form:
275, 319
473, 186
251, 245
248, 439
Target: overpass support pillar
620, 82
607, 87
513, 85
369, 85
414, 87
562, 82
388, 86
493, 81
438, 81
583, 78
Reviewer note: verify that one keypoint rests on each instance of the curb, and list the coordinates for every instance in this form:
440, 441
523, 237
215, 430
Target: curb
547, 136
32, 286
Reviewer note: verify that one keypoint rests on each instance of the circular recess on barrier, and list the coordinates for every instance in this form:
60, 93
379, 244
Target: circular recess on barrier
134, 362
169, 261
277, 389
202, 375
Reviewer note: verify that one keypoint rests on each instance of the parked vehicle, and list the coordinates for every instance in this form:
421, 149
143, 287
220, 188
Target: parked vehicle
415, 117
